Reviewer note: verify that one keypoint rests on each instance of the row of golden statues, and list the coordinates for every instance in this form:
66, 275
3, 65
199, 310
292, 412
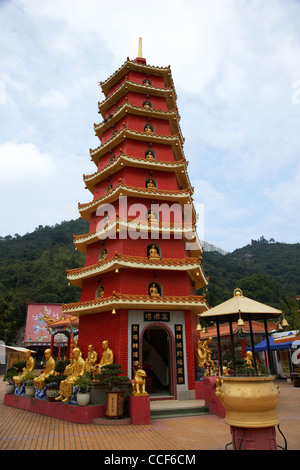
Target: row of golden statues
77, 368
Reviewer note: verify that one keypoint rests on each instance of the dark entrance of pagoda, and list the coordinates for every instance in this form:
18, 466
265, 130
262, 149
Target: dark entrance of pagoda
156, 357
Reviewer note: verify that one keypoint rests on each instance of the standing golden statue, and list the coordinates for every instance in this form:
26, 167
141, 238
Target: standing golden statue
76, 370
91, 359
107, 358
30, 363
248, 359
205, 365
39, 381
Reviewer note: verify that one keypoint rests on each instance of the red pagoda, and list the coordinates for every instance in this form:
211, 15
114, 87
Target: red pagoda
143, 257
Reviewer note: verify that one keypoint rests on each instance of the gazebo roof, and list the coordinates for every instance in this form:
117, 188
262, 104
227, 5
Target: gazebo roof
231, 309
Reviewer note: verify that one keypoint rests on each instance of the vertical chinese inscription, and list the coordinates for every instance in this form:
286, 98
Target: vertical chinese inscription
179, 354
135, 352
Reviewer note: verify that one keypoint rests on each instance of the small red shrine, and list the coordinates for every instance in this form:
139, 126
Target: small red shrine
143, 257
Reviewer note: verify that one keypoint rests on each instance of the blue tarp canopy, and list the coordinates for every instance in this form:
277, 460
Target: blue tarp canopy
263, 345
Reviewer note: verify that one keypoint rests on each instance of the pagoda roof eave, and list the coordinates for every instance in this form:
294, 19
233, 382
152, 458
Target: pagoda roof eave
125, 160
181, 196
136, 66
128, 108
127, 86
126, 133
191, 265
119, 301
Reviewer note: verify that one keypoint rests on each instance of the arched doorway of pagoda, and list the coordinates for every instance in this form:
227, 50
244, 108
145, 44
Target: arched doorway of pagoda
157, 360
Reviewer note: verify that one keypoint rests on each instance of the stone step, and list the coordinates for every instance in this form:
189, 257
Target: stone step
179, 412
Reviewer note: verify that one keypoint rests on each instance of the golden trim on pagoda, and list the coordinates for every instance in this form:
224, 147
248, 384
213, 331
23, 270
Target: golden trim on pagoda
196, 303
191, 265
122, 160
125, 133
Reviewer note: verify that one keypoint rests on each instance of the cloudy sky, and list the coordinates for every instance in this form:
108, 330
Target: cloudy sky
236, 68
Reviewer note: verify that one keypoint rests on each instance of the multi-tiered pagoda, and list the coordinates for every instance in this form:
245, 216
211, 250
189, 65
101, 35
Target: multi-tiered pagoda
143, 259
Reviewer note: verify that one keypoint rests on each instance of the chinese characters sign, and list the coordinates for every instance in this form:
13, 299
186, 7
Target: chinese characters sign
179, 354
135, 351
157, 316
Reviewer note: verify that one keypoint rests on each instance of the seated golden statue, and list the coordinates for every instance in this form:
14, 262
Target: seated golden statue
76, 370
147, 105
30, 363
150, 184
148, 129
150, 156
153, 253
104, 254
248, 359
91, 360
101, 293
107, 358
139, 384
152, 218
39, 381
154, 291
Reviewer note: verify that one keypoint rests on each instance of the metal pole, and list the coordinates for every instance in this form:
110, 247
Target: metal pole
219, 346
232, 347
252, 342
268, 346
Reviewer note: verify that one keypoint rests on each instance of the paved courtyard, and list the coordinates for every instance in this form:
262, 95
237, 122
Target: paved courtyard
23, 430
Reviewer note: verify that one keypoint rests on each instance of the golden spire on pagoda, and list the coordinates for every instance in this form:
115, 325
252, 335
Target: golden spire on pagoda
140, 48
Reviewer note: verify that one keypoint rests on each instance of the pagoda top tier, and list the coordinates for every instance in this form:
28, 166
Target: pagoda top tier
138, 65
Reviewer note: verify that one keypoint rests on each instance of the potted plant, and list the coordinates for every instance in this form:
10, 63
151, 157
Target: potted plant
8, 377
52, 385
84, 384
28, 381
111, 376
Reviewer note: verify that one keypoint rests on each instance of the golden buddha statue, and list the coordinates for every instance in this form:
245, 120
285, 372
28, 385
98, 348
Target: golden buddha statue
76, 370
147, 105
107, 358
91, 360
154, 291
104, 255
39, 381
153, 254
148, 129
30, 363
150, 156
152, 218
150, 184
101, 293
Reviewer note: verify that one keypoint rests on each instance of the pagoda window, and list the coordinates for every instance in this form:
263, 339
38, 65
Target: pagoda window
153, 251
150, 155
147, 82
108, 188
99, 294
150, 183
103, 255
155, 290
152, 216
149, 129
147, 104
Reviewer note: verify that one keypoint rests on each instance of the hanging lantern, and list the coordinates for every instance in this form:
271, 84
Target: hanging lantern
240, 321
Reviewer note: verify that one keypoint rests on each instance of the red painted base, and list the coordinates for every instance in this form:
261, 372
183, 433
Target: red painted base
200, 390
71, 413
253, 438
139, 409
212, 402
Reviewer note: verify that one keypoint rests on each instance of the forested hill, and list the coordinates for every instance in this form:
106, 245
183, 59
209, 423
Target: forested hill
33, 269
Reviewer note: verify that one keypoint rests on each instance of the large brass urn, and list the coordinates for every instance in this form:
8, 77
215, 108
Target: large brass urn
250, 402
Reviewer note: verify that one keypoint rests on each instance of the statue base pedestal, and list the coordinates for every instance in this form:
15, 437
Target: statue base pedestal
253, 438
213, 402
139, 409
200, 390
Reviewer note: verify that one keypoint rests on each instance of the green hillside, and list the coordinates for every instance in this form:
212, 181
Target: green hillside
33, 269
